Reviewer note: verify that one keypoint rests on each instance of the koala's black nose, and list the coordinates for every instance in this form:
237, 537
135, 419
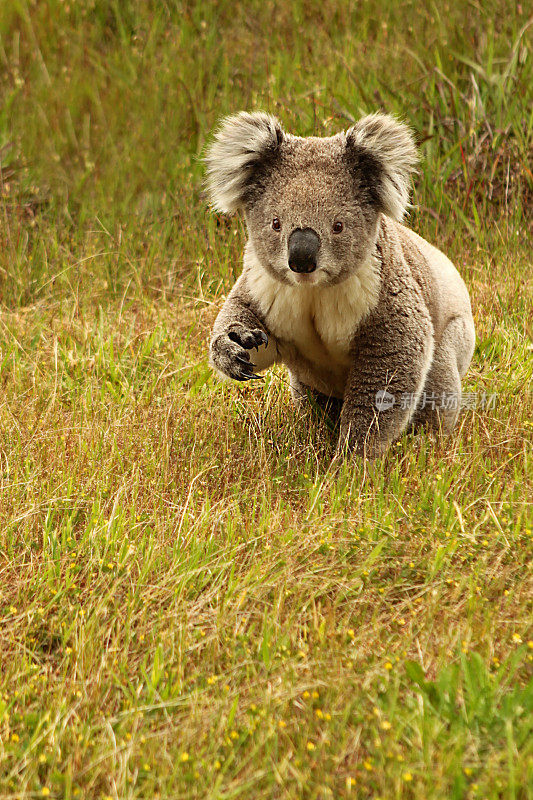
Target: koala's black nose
304, 244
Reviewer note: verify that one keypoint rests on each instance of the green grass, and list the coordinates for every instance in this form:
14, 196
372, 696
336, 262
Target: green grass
194, 602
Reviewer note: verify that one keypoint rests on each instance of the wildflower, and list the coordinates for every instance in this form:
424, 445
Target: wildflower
217, 765
319, 713
388, 665
234, 735
315, 695
306, 695
282, 723
45, 791
401, 621
530, 644
407, 777
42, 759
327, 716
15, 737
368, 766
310, 746
385, 725
517, 638
212, 679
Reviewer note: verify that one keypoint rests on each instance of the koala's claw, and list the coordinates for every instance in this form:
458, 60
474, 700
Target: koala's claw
230, 353
249, 339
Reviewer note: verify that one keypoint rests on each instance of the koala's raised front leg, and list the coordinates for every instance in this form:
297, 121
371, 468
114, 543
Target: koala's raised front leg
392, 356
236, 333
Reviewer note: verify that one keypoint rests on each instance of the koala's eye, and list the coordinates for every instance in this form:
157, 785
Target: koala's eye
337, 226
276, 224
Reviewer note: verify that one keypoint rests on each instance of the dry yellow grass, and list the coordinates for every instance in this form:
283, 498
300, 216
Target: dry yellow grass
194, 601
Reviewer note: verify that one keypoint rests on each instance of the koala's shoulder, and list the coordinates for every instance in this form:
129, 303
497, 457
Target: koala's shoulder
405, 280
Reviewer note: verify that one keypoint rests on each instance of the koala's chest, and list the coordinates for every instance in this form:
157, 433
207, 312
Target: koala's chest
314, 329
313, 325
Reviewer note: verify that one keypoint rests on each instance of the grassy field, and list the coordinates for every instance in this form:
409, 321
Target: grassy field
194, 603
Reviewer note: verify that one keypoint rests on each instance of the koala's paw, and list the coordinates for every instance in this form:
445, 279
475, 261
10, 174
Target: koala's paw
229, 352
364, 443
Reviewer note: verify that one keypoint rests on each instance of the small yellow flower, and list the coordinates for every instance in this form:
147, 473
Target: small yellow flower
217, 765
319, 713
517, 638
530, 644
42, 759
184, 757
401, 621
468, 770
310, 746
14, 737
306, 695
327, 716
385, 725
407, 777
368, 766
45, 791
146, 767
315, 695
234, 735
388, 665
350, 782
282, 723
212, 679
12, 609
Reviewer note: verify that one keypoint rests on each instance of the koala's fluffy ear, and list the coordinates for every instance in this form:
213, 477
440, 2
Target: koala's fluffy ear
242, 146
387, 150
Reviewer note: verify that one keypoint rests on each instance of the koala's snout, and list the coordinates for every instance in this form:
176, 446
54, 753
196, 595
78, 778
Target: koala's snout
304, 244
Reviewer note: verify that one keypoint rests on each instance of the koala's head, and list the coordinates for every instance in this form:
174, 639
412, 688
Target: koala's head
312, 204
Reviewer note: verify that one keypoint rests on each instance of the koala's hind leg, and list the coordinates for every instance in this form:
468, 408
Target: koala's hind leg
440, 402
305, 397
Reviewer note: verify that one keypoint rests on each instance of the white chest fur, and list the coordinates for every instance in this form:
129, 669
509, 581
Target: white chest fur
314, 325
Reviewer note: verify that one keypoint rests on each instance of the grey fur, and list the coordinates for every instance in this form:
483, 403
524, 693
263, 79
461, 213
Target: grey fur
383, 311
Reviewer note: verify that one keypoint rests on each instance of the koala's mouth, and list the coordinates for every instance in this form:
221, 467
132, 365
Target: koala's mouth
314, 278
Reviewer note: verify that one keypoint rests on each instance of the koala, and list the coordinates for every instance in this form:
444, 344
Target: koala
373, 323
